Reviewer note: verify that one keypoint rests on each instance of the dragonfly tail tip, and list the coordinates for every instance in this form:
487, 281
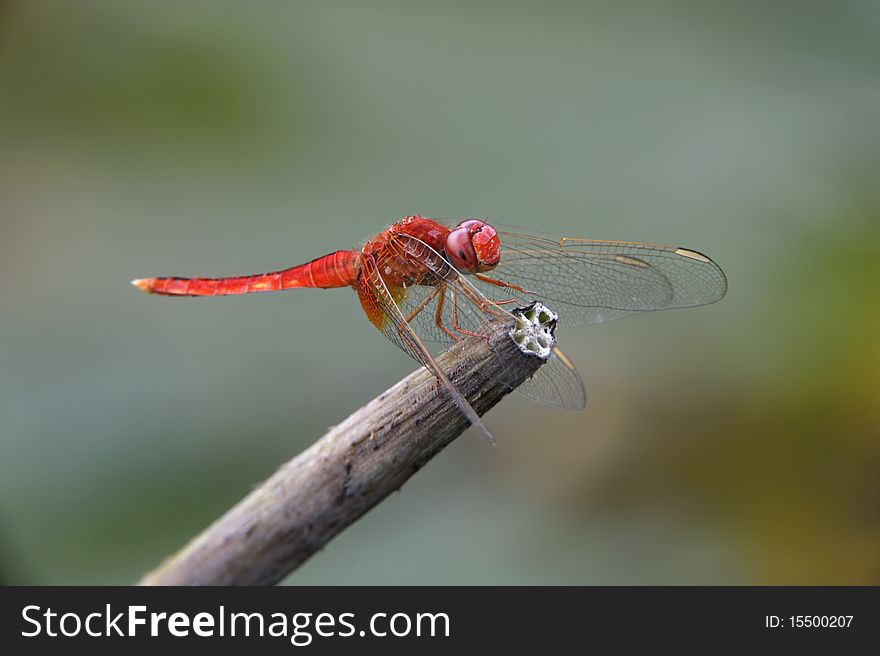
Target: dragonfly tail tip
142, 283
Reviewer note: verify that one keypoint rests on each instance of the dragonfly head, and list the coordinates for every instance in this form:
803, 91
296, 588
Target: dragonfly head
473, 246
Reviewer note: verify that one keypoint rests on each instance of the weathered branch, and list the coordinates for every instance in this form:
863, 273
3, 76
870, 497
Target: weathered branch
349, 470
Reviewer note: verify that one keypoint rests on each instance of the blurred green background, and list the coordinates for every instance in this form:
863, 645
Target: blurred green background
734, 444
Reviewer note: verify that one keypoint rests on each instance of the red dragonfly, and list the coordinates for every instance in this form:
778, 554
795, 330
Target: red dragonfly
431, 281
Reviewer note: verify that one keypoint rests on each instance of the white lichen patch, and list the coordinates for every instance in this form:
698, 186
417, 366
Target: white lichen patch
533, 332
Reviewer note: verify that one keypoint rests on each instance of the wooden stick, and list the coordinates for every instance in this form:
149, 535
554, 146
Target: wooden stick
330, 485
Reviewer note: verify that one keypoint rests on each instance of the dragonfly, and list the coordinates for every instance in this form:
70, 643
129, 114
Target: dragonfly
426, 281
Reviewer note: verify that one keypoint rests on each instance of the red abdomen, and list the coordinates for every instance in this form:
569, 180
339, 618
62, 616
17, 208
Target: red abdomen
337, 269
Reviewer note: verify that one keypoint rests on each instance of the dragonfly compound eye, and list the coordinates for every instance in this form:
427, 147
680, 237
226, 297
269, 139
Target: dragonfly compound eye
487, 246
534, 330
482, 248
460, 250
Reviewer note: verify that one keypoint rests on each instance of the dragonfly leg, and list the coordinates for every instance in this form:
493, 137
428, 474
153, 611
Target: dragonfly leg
421, 306
456, 327
500, 283
438, 314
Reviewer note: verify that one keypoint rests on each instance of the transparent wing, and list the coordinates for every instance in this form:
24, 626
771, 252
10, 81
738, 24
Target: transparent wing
557, 383
591, 281
441, 306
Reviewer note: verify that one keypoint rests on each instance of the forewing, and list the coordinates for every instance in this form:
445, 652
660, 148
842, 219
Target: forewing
592, 281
